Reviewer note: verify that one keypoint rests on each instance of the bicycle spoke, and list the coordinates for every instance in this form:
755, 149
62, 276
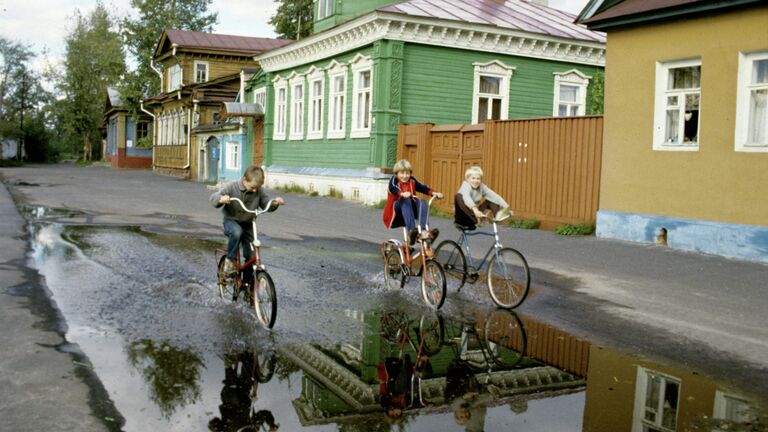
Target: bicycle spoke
508, 278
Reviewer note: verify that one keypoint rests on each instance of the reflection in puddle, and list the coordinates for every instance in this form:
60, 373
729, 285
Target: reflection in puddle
172, 356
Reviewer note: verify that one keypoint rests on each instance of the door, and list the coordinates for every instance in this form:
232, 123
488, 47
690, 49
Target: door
258, 142
214, 154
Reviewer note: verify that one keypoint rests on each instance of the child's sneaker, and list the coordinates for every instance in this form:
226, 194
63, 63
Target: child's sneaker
412, 236
229, 267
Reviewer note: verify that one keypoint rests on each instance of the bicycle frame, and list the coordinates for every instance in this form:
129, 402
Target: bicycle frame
464, 242
425, 250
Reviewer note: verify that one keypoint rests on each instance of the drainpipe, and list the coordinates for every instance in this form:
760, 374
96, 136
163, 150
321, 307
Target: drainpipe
159, 72
189, 138
154, 131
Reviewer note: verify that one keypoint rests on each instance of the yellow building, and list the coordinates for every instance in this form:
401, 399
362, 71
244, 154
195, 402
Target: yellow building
685, 156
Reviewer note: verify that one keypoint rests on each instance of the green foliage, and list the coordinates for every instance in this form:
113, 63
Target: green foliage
598, 93
314, 194
144, 142
575, 229
524, 223
10, 163
335, 193
293, 19
380, 204
434, 211
291, 188
142, 31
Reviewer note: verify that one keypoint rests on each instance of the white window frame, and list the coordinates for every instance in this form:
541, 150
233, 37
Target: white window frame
316, 105
732, 407
281, 107
197, 78
324, 8
495, 69
174, 77
337, 101
297, 82
232, 157
359, 65
260, 98
660, 107
641, 393
571, 78
744, 102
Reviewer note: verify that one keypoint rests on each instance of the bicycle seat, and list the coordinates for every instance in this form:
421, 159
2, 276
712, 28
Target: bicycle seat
465, 227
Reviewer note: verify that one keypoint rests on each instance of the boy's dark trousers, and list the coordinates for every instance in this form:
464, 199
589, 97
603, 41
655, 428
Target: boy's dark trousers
464, 215
238, 233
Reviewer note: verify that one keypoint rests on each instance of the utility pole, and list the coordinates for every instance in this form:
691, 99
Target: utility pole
20, 147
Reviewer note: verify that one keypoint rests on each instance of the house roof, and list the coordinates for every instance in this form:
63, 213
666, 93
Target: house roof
113, 96
509, 14
217, 42
606, 14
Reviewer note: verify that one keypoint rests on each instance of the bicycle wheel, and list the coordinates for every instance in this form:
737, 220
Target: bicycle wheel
508, 278
265, 366
265, 299
227, 284
432, 332
393, 270
433, 284
505, 338
451, 257
391, 324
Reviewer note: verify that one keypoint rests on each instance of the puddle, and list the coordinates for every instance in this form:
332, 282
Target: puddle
345, 354
17, 182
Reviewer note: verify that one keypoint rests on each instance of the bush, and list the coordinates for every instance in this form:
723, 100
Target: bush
144, 142
292, 188
575, 229
380, 204
11, 163
334, 193
525, 223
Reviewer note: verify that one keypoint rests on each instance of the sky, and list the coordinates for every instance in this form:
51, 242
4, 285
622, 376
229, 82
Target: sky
43, 24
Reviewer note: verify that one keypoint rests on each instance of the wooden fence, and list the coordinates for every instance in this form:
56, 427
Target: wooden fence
547, 169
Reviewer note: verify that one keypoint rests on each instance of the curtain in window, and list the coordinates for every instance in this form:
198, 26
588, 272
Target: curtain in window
758, 113
490, 85
685, 77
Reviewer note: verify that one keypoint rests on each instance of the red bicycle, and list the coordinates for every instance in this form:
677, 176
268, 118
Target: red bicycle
251, 277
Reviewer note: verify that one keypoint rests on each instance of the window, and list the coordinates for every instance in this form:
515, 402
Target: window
752, 103
201, 72
676, 116
142, 130
232, 157
490, 99
656, 402
260, 98
174, 77
297, 109
324, 8
316, 90
281, 95
361, 97
337, 80
570, 93
735, 409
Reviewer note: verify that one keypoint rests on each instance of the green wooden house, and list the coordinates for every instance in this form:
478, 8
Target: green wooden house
334, 100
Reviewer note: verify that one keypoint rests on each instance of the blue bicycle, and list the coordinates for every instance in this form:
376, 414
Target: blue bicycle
508, 275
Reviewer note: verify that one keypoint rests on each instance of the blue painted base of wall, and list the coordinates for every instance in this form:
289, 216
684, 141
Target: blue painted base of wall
748, 242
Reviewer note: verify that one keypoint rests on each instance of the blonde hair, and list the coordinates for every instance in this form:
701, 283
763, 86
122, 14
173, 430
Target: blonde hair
473, 170
402, 165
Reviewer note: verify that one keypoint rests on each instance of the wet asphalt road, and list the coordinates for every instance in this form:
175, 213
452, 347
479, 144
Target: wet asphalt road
703, 312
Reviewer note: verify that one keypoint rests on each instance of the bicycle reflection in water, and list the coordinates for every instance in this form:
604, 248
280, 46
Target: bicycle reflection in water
242, 374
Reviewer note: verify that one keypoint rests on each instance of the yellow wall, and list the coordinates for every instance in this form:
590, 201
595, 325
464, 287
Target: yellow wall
715, 183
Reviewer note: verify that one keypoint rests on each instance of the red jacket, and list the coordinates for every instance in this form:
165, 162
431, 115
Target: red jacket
391, 218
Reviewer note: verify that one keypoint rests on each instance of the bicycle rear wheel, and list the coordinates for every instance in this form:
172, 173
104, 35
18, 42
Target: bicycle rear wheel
509, 278
451, 257
227, 284
393, 270
265, 299
431, 333
433, 284
505, 338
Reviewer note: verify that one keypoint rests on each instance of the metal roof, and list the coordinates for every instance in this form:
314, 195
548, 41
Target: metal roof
520, 15
222, 42
236, 109
114, 97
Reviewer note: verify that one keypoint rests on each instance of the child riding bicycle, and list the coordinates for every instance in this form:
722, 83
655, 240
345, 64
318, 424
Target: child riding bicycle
474, 200
237, 222
403, 208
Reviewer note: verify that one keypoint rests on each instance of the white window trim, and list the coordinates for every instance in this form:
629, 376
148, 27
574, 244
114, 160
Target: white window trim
260, 98
641, 388
360, 64
233, 156
572, 78
314, 75
660, 107
496, 69
297, 127
281, 111
174, 77
207, 76
336, 69
743, 91
324, 9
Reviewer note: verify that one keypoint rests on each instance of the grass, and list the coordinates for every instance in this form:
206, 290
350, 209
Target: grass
380, 204
292, 188
575, 230
11, 163
334, 193
524, 223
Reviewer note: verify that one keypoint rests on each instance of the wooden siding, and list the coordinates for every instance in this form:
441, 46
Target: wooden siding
546, 169
171, 156
438, 84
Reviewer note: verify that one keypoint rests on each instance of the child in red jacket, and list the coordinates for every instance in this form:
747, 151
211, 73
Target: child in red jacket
403, 208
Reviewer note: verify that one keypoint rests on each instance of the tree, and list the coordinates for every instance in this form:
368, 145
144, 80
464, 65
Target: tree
94, 60
293, 19
142, 34
598, 93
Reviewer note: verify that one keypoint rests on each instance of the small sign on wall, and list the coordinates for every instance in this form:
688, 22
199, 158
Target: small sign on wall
129, 143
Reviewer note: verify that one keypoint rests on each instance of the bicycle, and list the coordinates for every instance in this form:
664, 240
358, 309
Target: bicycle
260, 295
508, 275
398, 260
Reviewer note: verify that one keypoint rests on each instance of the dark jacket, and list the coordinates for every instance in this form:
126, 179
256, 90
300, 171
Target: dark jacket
252, 200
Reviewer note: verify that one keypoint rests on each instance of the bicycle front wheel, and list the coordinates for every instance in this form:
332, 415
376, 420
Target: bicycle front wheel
509, 278
451, 257
431, 333
227, 284
505, 338
265, 299
393, 270
433, 284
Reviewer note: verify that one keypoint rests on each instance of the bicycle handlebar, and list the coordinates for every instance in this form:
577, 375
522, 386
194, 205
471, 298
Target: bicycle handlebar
253, 212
